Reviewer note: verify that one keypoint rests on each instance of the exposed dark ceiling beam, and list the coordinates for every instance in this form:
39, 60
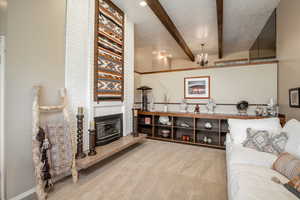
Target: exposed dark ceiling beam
163, 16
220, 26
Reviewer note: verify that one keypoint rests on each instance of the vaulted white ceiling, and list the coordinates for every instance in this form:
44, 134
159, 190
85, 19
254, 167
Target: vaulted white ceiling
196, 20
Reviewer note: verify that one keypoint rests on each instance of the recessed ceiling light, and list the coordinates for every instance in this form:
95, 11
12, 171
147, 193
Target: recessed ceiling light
143, 3
154, 52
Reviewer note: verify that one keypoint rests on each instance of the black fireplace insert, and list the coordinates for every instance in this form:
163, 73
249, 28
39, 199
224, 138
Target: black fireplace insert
108, 128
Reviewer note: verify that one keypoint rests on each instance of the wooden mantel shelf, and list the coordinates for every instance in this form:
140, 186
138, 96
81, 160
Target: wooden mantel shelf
108, 150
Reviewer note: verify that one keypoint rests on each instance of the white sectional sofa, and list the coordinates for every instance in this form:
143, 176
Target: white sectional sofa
249, 172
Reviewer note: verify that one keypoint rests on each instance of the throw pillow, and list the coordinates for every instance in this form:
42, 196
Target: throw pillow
287, 165
294, 186
276, 144
292, 128
238, 127
256, 139
262, 140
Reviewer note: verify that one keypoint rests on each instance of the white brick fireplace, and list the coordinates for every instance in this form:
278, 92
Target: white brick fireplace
79, 67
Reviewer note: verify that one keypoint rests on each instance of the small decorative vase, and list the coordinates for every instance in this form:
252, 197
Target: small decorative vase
166, 108
183, 106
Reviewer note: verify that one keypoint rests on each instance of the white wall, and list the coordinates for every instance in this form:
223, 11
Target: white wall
80, 67
288, 48
35, 55
255, 84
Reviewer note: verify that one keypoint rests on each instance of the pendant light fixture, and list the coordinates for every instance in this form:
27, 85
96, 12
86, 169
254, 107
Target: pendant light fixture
202, 58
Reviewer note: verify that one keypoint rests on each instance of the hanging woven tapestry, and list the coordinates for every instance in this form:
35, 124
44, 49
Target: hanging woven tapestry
109, 52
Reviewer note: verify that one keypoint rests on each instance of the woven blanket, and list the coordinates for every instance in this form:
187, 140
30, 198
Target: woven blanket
61, 149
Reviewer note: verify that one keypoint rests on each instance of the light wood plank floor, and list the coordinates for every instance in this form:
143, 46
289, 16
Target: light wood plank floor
152, 171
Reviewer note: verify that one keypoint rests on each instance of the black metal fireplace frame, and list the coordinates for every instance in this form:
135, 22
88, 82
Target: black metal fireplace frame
109, 139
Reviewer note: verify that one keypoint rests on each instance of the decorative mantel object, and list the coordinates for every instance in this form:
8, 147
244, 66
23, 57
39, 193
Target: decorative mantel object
108, 52
294, 97
242, 107
144, 90
197, 87
80, 154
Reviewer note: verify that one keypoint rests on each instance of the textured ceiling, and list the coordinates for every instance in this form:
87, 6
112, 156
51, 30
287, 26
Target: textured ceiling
196, 20
243, 21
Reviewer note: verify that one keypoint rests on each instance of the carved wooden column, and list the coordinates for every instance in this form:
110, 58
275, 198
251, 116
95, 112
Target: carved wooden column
80, 154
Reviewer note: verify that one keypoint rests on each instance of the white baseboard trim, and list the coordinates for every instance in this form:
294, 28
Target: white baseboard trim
24, 195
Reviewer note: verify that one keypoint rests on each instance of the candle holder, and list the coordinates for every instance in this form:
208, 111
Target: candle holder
80, 154
135, 132
92, 134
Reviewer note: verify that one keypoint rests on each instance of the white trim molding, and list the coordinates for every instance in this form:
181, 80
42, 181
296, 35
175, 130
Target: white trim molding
2, 88
24, 194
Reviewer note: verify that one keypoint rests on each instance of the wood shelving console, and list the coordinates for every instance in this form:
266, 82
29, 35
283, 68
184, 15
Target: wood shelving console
148, 123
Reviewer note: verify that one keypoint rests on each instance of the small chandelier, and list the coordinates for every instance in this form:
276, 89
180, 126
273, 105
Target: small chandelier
202, 58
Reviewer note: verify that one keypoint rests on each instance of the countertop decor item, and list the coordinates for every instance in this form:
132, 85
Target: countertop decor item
183, 106
165, 133
273, 108
208, 125
211, 106
144, 90
166, 101
197, 87
259, 110
197, 109
209, 140
164, 120
242, 107
183, 124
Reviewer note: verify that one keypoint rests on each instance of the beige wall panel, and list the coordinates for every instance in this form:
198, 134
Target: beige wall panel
288, 49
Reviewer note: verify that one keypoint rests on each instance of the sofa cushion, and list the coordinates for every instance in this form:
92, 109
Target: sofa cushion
238, 127
250, 182
287, 165
237, 154
292, 128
